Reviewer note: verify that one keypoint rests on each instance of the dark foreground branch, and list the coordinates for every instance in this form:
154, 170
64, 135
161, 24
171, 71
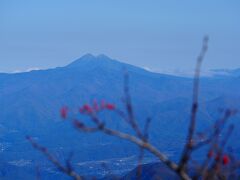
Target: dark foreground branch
142, 144
189, 141
67, 170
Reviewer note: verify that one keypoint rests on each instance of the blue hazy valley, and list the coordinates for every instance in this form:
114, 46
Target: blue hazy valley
30, 104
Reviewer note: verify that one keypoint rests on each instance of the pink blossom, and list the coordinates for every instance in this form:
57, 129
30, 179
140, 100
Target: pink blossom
110, 106
87, 108
225, 159
64, 112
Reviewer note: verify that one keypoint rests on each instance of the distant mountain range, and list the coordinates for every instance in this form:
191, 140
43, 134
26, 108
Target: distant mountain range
30, 104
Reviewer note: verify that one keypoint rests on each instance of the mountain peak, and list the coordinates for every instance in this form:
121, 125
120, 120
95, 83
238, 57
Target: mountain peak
91, 62
89, 59
102, 56
87, 56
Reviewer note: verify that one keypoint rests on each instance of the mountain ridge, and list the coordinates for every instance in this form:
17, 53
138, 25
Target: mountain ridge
86, 59
30, 104
102, 60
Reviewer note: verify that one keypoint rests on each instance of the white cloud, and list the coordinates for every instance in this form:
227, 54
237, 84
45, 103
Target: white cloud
26, 70
148, 69
186, 72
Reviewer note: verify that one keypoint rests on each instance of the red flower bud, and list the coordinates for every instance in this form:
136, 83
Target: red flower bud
64, 112
110, 106
87, 108
225, 159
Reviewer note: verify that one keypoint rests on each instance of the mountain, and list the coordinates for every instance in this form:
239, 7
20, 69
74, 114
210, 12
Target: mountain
226, 72
30, 104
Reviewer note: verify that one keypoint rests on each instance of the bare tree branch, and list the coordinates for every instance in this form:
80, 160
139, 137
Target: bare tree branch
189, 141
128, 105
67, 170
207, 170
141, 143
217, 162
217, 129
141, 150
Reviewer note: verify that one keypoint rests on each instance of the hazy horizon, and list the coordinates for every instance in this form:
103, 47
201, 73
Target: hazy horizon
161, 36
176, 72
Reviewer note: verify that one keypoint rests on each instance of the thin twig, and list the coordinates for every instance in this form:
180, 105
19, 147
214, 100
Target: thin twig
189, 141
141, 150
220, 150
218, 127
213, 140
144, 145
67, 170
128, 105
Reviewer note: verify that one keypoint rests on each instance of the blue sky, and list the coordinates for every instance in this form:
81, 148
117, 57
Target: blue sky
160, 35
